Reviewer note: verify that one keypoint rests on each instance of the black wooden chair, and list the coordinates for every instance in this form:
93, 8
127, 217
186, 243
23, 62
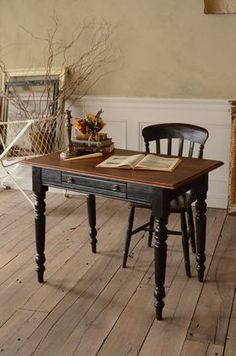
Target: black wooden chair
185, 139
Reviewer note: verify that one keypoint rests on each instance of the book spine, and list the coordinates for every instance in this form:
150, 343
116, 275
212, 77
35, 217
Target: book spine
103, 149
91, 143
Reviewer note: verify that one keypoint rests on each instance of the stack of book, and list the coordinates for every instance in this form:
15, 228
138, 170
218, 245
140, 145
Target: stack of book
103, 145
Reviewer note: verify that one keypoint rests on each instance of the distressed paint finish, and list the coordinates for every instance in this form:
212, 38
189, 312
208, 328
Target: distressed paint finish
220, 6
232, 162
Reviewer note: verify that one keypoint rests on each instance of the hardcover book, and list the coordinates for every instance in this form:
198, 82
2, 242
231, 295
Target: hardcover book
104, 149
141, 161
81, 142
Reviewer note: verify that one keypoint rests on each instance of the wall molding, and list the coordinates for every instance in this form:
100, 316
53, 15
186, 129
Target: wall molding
165, 103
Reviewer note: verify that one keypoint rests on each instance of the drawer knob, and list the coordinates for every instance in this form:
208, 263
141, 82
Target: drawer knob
115, 187
70, 180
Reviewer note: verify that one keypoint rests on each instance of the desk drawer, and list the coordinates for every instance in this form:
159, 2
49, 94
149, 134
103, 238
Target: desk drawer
139, 192
51, 176
94, 185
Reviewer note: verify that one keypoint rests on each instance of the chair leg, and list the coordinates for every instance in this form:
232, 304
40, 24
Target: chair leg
151, 225
185, 244
191, 229
128, 235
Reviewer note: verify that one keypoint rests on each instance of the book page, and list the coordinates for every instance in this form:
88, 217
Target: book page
153, 162
121, 161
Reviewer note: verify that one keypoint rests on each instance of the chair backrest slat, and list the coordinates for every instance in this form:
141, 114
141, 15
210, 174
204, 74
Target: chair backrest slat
169, 147
191, 147
158, 146
200, 152
182, 132
147, 148
181, 146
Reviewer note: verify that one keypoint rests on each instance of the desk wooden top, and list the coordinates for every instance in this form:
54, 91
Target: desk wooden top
188, 170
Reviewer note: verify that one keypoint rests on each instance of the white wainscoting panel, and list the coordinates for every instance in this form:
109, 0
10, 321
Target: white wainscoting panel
126, 117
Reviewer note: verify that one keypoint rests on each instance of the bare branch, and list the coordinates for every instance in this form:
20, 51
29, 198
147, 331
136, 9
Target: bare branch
88, 54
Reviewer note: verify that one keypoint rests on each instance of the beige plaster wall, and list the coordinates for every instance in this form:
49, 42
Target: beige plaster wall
169, 48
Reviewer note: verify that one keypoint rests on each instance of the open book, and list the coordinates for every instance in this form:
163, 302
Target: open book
141, 161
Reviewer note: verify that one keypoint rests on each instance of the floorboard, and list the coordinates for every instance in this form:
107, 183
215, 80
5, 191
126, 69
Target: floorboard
89, 305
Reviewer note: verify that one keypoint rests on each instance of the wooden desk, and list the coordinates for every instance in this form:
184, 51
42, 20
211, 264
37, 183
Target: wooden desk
157, 188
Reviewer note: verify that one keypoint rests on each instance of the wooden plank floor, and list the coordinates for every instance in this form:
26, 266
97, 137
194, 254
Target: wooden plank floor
89, 305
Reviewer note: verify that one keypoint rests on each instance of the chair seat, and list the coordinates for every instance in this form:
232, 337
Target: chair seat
178, 205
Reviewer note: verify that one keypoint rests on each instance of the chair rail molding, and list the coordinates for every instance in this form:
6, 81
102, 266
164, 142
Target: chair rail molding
126, 117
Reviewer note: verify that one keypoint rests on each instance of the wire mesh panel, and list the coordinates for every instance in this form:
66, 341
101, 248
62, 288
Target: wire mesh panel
36, 99
31, 121
25, 138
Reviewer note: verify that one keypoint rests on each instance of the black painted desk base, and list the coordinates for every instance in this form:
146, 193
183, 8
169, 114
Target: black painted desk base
160, 246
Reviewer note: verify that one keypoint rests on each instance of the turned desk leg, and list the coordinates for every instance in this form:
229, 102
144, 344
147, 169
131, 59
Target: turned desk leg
40, 233
91, 204
201, 208
160, 249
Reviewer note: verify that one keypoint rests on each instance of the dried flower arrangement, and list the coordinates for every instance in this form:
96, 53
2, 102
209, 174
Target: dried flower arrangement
90, 125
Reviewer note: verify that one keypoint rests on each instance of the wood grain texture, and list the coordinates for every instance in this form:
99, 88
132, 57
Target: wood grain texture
220, 6
200, 348
232, 162
187, 170
91, 306
230, 346
211, 317
181, 301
